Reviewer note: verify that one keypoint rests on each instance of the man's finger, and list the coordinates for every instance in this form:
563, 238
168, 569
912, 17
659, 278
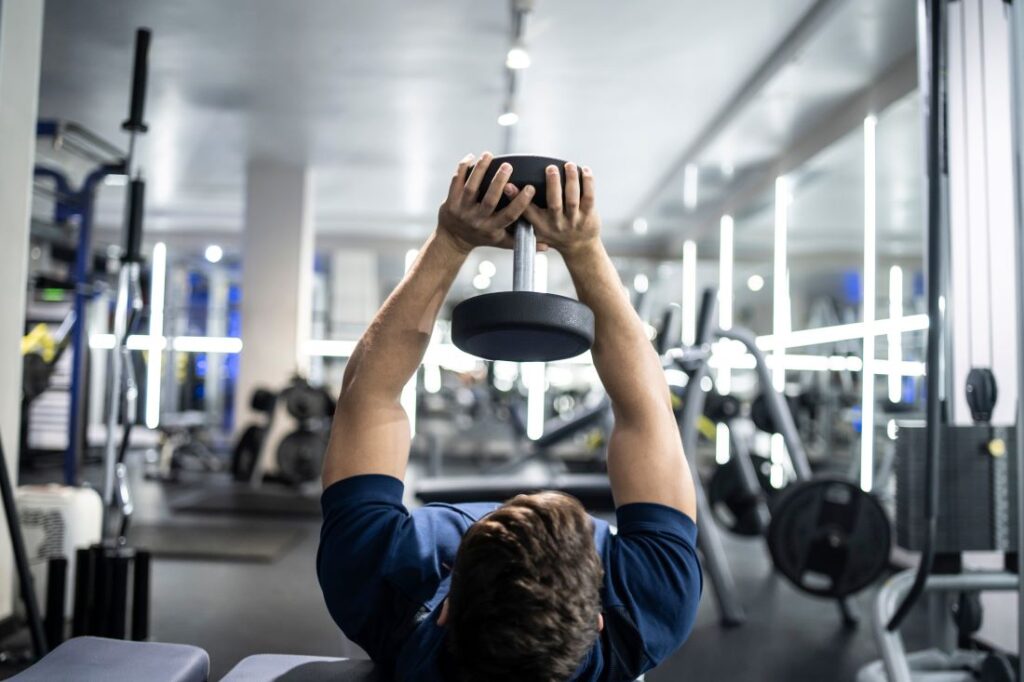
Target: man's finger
534, 214
553, 183
476, 178
572, 189
459, 178
587, 198
520, 201
498, 183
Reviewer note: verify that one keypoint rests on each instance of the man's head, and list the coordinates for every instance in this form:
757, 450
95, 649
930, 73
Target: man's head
525, 593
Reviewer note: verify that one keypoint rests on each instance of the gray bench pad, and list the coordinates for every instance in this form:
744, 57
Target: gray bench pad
281, 668
95, 659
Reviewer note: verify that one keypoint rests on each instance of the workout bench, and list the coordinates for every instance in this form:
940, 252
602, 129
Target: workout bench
95, 659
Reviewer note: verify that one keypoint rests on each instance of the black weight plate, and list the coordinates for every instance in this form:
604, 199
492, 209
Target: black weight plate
300, 456
247, 452
721, 408
263, 400
522, 326
526, 170
761, 414
829, 537
305, 402
733, 509
35, 376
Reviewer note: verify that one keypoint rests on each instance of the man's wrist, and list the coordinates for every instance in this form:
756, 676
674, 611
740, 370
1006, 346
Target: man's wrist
450, 243
582, 254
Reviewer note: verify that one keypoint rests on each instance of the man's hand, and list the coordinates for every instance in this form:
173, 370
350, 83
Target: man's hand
571, 223
468, 222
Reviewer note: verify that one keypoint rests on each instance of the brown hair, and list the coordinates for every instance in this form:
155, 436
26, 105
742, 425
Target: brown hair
525, 592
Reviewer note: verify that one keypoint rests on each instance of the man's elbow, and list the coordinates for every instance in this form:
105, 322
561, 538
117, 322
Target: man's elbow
644, 408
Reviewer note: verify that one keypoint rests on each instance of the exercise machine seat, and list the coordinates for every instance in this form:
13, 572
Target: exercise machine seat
281, 668
95, 659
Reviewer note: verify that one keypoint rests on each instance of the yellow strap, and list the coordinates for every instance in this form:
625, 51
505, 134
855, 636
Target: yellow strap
39, 339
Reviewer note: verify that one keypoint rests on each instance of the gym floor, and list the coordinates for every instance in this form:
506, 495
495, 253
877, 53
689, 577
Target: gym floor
234, 609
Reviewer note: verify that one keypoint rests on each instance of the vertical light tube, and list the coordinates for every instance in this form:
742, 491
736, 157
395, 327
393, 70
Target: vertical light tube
154, 359
780, 315
535, 373
780, 283
540, 273
689, 292
721, 443
408, 399
895, 337
431, 377
691, 178
777, 476
725, 294
867, 430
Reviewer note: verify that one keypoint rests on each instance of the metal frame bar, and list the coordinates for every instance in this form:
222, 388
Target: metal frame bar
1017, 105
895, 660
79, 140
776, 404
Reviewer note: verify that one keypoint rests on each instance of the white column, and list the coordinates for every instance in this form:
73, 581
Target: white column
277, 279
354, 292
21, 33
217, 285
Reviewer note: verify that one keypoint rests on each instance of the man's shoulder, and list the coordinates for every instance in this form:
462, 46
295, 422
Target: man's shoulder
474, 511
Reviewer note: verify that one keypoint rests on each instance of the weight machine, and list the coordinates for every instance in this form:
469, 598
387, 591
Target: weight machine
962, 462
73, 205
104, 572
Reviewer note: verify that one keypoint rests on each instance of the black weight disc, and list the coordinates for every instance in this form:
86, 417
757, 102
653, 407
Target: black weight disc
720, 408
522, 326
35, 376
732, 507
761, 414
300, 456
829, 537
263, 400
304, 401
247, 452
527, 169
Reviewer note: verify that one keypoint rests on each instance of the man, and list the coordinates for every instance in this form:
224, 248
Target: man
534, 589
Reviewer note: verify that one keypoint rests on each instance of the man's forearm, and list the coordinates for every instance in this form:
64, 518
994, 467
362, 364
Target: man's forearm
392, 347
623, 355
645, 456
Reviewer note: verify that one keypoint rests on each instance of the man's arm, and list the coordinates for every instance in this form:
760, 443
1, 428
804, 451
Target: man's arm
370, 433
645, 455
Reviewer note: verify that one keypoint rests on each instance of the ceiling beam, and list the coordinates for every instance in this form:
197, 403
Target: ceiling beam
897, 81
781, 55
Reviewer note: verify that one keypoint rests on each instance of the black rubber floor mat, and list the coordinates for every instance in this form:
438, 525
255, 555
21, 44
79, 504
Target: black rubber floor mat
217, 542
248, 502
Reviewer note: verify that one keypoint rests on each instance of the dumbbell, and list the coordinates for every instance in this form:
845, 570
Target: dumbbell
523, 325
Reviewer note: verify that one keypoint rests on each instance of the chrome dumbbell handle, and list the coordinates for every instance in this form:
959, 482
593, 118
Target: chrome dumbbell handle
523, 257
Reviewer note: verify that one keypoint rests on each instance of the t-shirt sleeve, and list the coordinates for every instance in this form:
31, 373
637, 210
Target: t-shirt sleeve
655, 576
378, 563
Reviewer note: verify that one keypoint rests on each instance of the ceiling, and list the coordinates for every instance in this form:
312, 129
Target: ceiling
826, 214
380, 99
858, 46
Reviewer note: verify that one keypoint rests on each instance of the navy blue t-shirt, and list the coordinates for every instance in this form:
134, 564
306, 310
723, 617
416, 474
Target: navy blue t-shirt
385, 572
